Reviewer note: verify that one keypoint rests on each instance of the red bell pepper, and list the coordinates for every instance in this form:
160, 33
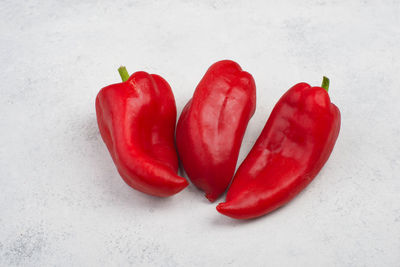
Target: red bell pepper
137, 119
212, 124
293, 147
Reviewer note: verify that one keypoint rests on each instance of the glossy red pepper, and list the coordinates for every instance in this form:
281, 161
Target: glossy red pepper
293, 146
212, 124
137, 119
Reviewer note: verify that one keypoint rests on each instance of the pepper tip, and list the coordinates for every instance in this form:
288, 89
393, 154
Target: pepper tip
221, 207
211, 197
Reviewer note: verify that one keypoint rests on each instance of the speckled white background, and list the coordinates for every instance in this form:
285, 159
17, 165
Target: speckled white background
61, 200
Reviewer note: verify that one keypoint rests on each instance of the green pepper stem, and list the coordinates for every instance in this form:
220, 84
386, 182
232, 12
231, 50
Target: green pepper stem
123, 73
325, 83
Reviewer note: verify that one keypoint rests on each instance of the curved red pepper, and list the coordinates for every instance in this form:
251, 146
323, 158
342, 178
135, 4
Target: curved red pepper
137, 119
293, 146
212, 124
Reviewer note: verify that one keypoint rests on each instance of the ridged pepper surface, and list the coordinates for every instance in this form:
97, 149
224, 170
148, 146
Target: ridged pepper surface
294, 145
137, 120
212, 124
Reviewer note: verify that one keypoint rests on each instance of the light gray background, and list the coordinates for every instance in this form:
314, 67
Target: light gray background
61, 199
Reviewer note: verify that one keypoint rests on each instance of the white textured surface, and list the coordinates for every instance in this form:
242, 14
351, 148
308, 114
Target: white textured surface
62, 201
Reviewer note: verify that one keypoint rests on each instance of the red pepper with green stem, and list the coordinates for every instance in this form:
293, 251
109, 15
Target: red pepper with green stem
136, 119
212, 124
294, 145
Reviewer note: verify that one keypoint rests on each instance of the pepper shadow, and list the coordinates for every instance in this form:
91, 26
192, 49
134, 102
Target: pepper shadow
199, 194
223, 221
